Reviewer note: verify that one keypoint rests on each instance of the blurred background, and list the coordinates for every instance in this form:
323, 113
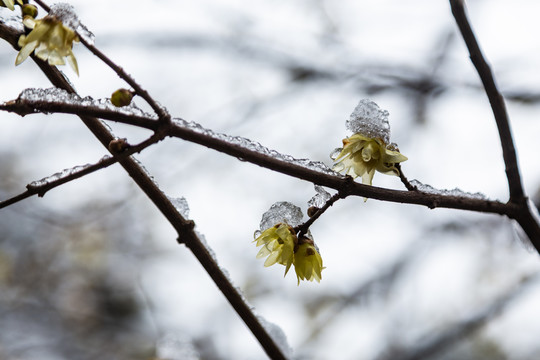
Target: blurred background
92, 270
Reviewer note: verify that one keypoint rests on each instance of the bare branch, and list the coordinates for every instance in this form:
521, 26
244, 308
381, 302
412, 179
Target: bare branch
42, 186
495, 99
303, 228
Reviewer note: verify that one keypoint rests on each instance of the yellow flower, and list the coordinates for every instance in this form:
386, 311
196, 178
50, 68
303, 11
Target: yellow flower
9, 4
51, 40
308, 262
282, 246
278, 244
362, 155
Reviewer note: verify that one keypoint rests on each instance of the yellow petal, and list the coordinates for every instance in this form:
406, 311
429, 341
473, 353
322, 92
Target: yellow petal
25, 51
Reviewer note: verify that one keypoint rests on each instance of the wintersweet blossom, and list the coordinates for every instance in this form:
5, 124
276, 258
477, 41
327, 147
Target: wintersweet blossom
51, 40
308, 262
362, 155
278, 243
282, 246
9, 4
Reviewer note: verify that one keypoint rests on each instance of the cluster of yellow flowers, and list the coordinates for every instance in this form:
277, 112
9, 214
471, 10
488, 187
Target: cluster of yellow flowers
362, 155
49, 38
282, 246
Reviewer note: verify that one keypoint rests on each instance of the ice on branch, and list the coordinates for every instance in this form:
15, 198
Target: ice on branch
11, 19
369, 149
38, 98
255, 146
319, 199
278, 335
428, 189
181, 205
59, 175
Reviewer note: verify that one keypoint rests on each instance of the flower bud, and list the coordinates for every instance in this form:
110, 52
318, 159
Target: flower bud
121, 97
29, 10
116, 146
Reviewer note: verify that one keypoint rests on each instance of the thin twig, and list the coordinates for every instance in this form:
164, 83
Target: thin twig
159, 110
303, 228
44, 187
495, 99
404, 179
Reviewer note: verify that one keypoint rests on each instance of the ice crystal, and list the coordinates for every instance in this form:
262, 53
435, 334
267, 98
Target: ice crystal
255, 146
320, 198
48, 95
60, 96
278, 335
181, 205
281, 212
57, 176
369, 120
66, 13
11, 19
428, 189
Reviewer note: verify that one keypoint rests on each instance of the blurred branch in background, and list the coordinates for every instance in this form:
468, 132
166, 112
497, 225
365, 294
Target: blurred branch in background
437, 342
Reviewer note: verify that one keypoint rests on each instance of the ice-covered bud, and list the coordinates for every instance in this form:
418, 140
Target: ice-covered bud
29, 10
8, 3
121, 97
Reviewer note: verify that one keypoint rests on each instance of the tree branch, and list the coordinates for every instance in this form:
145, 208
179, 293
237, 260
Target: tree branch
40, 187
495, 99
184, 228
223, 143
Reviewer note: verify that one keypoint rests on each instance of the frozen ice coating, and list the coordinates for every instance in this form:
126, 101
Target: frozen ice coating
11, 19
278, 335
320, 198
281, 212
60, 96
48, 95
66, 13
57, 176
453, 192
176, 347
257, 147
370, 120
181, 205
